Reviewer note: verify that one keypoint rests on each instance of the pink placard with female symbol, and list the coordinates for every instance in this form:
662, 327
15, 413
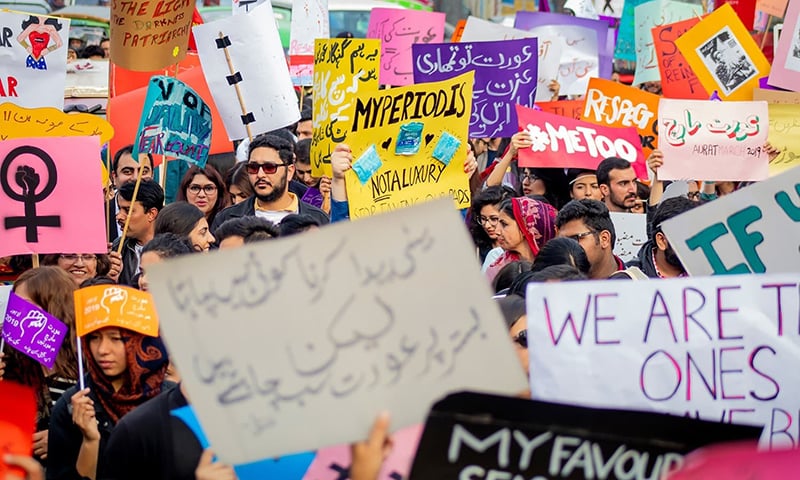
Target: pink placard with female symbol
51, 196
32, 331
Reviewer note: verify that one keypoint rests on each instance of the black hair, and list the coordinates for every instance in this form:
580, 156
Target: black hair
294, 223
92, 50
168, 245
179, 218
489, 196
513, 308
605, 167
150, 194
245, 227
303, 151
33, 19
97, 280
669, 208
593, 213
127, 149
306, 114
506, 276
562, 251
561, 273
284, 147
642, 191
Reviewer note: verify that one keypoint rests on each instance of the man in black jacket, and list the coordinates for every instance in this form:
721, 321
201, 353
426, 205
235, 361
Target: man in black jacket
141, 227
656, 258
270, 166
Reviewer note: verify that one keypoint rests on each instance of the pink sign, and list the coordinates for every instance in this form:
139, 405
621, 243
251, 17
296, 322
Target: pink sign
398, 29
562, 142
332, 463
738, 462
32, 331
51, 200
711, 140
785, 71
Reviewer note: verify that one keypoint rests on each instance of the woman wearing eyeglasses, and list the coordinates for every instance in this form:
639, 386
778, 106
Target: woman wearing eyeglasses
205, 189
485, 213
83, 266
187, 221
526, 225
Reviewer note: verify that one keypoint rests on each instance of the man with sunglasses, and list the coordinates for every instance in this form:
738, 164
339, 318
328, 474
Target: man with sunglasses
589, 223
270, 167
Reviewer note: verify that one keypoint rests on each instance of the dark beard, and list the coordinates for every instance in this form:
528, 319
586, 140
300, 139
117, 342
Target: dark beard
672, 258
278, 189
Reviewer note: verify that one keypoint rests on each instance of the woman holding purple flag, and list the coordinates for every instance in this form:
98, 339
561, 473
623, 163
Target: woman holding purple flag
49, 288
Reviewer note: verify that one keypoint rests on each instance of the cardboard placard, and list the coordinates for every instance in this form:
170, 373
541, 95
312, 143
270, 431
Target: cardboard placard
678, 80
505, 75
20, 122
785, 71
362, 346
711, 140
631, 232
647, 16
310, 21
753, 230
104, 306
784, 134
411, 152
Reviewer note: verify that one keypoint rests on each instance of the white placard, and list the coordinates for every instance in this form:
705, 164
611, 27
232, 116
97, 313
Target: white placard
328, 329
550, 48
33, 55
578, 59
756, 229
257, 66
631, 232
309, 22
724, 348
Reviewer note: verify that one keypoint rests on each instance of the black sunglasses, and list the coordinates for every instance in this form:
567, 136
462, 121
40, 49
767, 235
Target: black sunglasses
268, 168
521, 338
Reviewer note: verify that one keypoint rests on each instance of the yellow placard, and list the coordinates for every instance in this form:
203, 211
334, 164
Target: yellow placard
723, 55
104, 306
784, 134
342, 69
409, 145
20, 122
150, 35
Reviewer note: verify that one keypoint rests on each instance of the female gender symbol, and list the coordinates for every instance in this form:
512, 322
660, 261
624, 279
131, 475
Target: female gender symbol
27, 178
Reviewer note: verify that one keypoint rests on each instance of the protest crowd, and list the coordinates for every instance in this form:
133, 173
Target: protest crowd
296, 265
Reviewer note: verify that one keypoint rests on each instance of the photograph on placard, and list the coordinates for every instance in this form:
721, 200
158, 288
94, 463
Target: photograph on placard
793, 58
727, 60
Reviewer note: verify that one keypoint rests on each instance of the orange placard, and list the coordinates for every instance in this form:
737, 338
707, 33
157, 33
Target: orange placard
565, 108
458, 31
678, 80
17, 422
617, 105
126, 125
104, 306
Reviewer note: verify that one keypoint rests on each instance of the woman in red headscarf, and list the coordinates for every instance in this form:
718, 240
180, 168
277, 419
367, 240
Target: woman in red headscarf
526, 225
125, 369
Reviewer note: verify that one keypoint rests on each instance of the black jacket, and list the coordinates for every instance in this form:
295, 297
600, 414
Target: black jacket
130, 262
65, 438
248, 208
150, 443
111, 222
644, 260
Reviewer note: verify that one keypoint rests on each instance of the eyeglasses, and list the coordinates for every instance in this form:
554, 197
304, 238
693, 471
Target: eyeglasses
209, 189
527, 175
74, 258
578, 236
521, 339
693, 195
268, 168
488, 220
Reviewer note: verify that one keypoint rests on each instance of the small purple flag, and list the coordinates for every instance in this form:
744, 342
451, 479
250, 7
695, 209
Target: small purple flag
313, 197
33, 331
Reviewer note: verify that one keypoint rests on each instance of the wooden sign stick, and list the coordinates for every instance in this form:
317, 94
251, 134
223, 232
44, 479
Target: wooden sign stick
223, 43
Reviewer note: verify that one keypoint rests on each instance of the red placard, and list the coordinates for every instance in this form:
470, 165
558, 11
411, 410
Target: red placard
678, 80
562, 142
17, 422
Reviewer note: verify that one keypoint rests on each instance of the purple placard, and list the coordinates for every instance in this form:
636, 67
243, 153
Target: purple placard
763, 83
33, 331
529, 20
505, 74
312, 197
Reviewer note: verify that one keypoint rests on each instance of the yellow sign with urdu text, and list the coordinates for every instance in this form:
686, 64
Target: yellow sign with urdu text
342, 68
117, 306
20, 122
723, 55
617, 105
409, 145
784, 134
